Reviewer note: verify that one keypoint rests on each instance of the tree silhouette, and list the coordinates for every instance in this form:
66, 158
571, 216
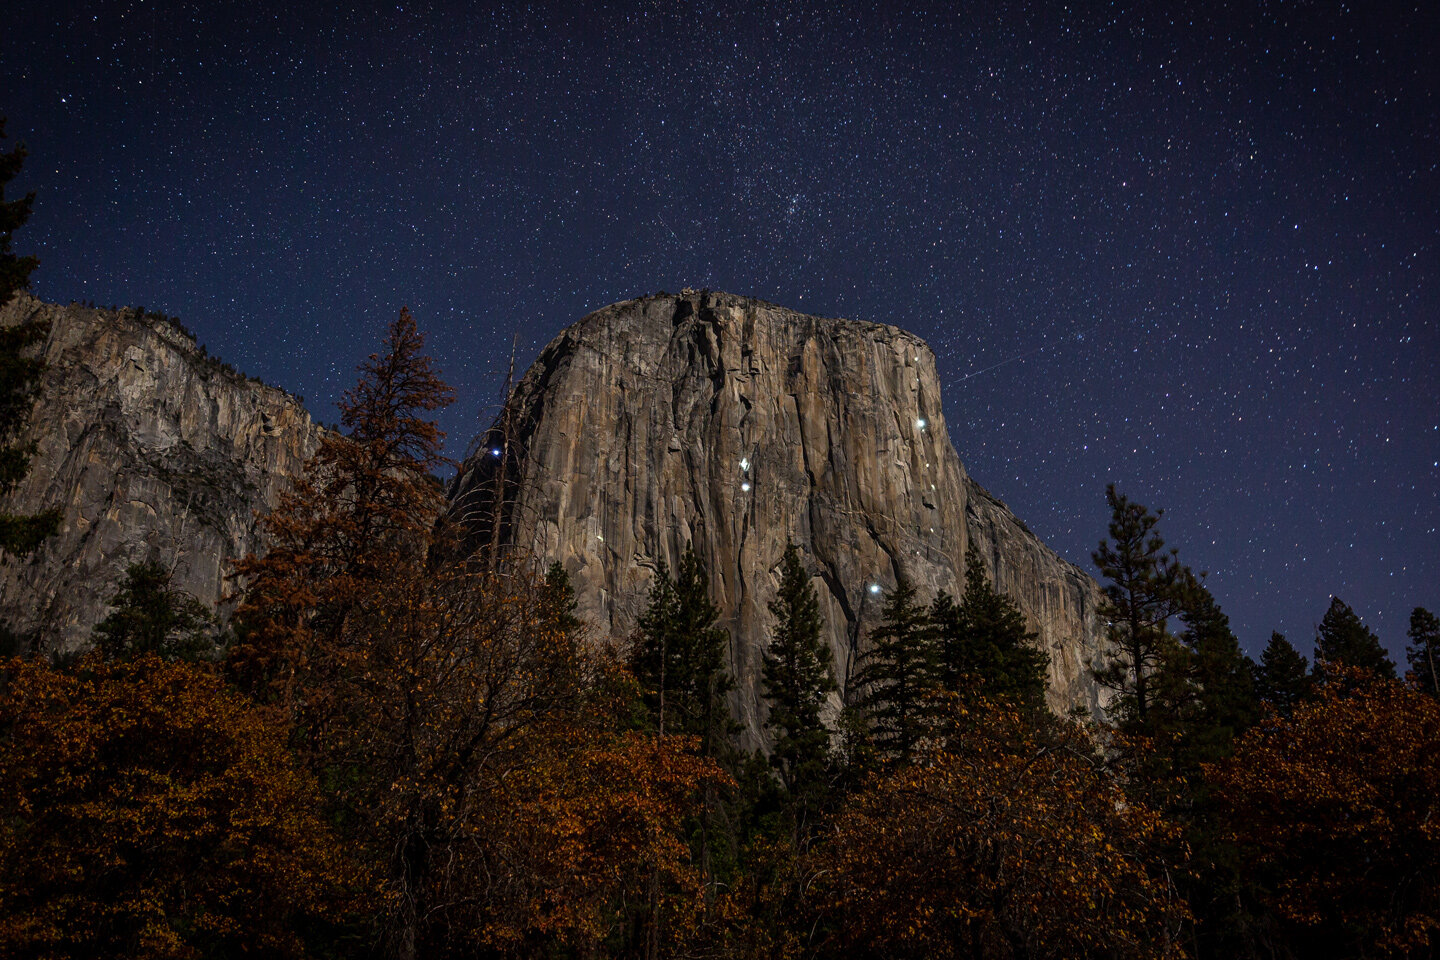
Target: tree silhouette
1145, 589
1282, 678
896, 680
151, 617
1342, 639
20, 371
1423, 654
984, 640
796, 676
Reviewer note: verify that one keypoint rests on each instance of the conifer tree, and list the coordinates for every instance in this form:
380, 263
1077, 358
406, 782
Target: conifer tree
1342, 638
1146, 588
19, 373
14, 270
679, 657
896, 680
796, 677
1423, 654
151, 617
560, 595
1207, 689
984, 639
679, 660
1282, 678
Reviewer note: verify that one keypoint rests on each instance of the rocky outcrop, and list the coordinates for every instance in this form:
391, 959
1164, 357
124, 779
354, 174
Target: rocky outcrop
732, 424
151, 449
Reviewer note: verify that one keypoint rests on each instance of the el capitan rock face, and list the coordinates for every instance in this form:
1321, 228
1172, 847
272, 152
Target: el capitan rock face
733, 424
151, 450
701, 418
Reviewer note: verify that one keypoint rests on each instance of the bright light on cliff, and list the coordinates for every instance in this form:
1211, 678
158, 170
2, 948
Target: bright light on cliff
745, 487
920, 424
874, 588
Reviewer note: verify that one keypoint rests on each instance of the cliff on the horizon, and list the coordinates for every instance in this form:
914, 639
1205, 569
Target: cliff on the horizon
701, 418
152, 450
733, 425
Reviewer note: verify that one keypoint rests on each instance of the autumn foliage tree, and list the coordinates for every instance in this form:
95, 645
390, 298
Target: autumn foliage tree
1335, 811
366, 503
475, 754
145, 810
1006, 844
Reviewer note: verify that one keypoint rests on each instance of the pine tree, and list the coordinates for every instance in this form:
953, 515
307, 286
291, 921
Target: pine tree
1342, 638
1423, 654
1283, 678
1209, 687
14, 271
984, 640
151, 617
679, 657
795, 679
19, 373
897, 679
1146, 588
679, 661
560, 595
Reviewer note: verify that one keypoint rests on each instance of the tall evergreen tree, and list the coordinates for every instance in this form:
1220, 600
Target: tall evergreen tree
1423, 654
151, 617
1283, 677
984, 640
679, 660
795, 679
1208, 690
19, 371
1146, 588
14, 270
1342, 638
679, 657
896, 680
560, 596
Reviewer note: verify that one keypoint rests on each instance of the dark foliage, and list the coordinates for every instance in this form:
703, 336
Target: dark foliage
1145, 588
1423, 653
1342, 639
896, 683
1282, 678
150, 618
985, 647
796, 678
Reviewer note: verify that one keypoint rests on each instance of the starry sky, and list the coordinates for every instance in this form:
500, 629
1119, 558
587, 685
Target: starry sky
1188, 248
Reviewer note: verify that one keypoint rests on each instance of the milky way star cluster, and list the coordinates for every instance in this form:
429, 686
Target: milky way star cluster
1190, 249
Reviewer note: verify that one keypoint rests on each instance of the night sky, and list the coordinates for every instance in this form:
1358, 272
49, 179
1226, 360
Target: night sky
1192, 252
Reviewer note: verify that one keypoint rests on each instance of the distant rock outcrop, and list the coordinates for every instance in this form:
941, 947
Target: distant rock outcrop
733, 424
151, 449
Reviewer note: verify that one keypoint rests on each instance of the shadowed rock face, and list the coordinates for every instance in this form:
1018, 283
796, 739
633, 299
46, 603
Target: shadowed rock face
151, 450
733, 424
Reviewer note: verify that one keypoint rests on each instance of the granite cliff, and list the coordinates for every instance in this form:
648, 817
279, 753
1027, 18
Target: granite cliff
703, 418
152, 450
733, 424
